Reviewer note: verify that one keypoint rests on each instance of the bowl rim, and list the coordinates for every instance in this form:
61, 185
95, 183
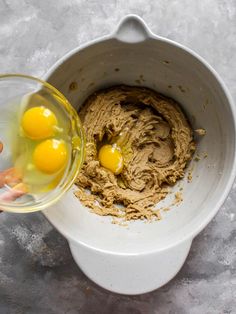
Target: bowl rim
198, 227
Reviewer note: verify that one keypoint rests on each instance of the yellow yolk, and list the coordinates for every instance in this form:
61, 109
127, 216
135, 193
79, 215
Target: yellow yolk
39, 123
50, 156
110, 157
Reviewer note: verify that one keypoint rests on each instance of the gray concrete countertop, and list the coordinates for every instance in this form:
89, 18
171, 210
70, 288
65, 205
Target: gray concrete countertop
37, 272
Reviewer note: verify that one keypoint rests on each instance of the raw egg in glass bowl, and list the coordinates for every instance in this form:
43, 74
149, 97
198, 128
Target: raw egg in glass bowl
41, 144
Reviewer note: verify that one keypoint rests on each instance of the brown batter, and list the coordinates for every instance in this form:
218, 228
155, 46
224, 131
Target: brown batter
156, 142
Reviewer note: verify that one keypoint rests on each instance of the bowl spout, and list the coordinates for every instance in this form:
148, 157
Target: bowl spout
132, 29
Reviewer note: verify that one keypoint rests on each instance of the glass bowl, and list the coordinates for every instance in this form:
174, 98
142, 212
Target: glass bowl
18, 93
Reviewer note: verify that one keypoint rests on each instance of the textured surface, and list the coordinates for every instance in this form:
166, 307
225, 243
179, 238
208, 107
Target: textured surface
37, 273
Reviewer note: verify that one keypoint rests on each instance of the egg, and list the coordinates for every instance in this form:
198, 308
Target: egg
39, 140
110, 157
50, 156
39, 123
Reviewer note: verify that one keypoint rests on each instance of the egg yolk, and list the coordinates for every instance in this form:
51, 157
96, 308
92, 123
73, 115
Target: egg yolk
110, 157
50, 156
39, 123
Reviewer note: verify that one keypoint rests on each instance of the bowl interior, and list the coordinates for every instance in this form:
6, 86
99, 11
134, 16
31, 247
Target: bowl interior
173, 71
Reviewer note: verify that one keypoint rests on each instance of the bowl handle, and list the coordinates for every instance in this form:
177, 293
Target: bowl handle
130, 274
132, 29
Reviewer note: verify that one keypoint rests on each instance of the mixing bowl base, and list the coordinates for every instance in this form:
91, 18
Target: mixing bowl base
133, 274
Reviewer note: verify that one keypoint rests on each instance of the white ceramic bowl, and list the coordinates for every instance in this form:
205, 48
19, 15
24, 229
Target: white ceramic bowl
144, 256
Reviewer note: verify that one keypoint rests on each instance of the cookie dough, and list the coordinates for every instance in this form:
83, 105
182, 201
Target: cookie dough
156, 143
